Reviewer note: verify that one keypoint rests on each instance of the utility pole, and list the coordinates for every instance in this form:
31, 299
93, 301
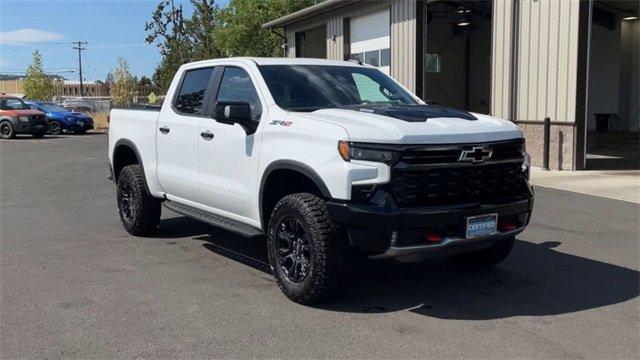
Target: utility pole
80, 48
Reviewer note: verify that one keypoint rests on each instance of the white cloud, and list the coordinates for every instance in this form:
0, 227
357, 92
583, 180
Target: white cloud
28, 36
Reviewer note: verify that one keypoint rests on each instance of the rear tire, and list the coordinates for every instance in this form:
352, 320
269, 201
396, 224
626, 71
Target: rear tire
139, 211
6, 130
485, 258
314, 247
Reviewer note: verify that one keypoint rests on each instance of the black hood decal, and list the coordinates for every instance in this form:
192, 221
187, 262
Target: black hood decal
413, 113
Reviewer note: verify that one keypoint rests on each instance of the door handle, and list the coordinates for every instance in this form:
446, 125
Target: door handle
207, 135
164, 130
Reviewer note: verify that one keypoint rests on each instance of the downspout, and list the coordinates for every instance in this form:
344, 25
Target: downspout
285, 45
515, 43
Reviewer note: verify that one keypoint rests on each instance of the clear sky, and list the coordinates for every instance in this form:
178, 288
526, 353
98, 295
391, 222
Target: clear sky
112, 28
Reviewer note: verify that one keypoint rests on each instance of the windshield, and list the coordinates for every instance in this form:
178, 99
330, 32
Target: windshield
13, 104
50, 107
314, 87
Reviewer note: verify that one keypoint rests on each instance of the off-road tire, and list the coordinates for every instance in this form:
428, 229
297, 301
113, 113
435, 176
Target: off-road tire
327, 249
11, 134
56, 129
38, 135
145, 214
485, 258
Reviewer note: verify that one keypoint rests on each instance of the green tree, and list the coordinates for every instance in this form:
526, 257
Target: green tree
240, 33
200, 28
121, 88
144, 81
167, 30
109, 78
37, 84
182, 40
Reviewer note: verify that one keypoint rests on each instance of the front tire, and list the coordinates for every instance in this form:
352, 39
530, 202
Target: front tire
139, 211
6, 130
485, 258
55, 128
306, 251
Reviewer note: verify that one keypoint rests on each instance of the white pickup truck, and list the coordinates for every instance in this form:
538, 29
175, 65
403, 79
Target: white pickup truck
321, 156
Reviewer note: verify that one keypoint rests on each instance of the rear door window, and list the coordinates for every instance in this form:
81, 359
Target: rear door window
191, 95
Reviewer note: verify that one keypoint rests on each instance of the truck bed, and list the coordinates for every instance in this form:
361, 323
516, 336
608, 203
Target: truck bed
138, 128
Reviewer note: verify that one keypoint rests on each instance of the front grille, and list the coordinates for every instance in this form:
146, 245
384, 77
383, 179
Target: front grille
432, 175
463, 185
448, 154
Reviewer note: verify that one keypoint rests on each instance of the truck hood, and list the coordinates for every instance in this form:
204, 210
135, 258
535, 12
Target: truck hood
452, 126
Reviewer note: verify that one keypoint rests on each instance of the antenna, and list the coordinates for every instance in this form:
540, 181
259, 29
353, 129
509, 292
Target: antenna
356, 60
79, 47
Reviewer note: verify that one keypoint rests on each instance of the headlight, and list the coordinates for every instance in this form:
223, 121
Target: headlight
23, 118
353, 152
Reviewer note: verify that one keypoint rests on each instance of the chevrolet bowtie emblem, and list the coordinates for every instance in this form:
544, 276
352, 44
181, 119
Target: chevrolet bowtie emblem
475, 155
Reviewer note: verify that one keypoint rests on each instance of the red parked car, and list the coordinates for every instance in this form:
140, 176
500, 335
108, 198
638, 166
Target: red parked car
16, 117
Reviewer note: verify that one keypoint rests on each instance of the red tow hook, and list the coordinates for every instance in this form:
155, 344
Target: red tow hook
431, 237
506, 226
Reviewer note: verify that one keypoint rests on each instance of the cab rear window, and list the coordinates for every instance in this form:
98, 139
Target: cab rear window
190, 99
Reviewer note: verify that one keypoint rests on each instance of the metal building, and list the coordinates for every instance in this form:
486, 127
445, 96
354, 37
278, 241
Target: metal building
573, 61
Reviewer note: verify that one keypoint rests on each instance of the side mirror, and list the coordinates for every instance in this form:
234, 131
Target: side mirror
235, 113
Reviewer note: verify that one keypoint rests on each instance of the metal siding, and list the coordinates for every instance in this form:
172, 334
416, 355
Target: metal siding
291, 42
547, 59
402, 31
335, 48
501, 57
403, 42
335, 25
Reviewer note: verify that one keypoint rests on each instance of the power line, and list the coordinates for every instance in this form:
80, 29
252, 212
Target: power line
79, 47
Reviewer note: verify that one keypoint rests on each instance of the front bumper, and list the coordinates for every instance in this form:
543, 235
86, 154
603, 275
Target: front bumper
81, 126
385, 231
31, 127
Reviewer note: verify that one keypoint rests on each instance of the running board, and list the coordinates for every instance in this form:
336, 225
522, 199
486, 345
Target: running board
213, 219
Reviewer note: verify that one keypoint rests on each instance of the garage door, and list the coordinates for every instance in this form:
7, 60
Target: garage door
370, 39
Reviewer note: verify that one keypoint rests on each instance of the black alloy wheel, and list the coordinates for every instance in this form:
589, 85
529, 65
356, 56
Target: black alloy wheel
139, 211
128, 202
294, 252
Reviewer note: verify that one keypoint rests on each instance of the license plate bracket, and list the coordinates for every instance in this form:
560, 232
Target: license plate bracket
481, 225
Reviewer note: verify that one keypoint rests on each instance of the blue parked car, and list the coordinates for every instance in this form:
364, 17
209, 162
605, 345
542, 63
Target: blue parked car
61, 119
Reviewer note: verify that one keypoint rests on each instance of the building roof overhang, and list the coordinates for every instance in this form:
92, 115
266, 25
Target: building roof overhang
306, 13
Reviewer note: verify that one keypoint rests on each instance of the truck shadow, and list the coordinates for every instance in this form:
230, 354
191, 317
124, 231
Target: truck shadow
536, 280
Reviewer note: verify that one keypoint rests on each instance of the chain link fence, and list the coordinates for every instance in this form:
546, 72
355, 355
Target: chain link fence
101, 104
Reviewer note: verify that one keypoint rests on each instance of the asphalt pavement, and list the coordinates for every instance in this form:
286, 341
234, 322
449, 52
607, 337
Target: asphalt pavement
74, 284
